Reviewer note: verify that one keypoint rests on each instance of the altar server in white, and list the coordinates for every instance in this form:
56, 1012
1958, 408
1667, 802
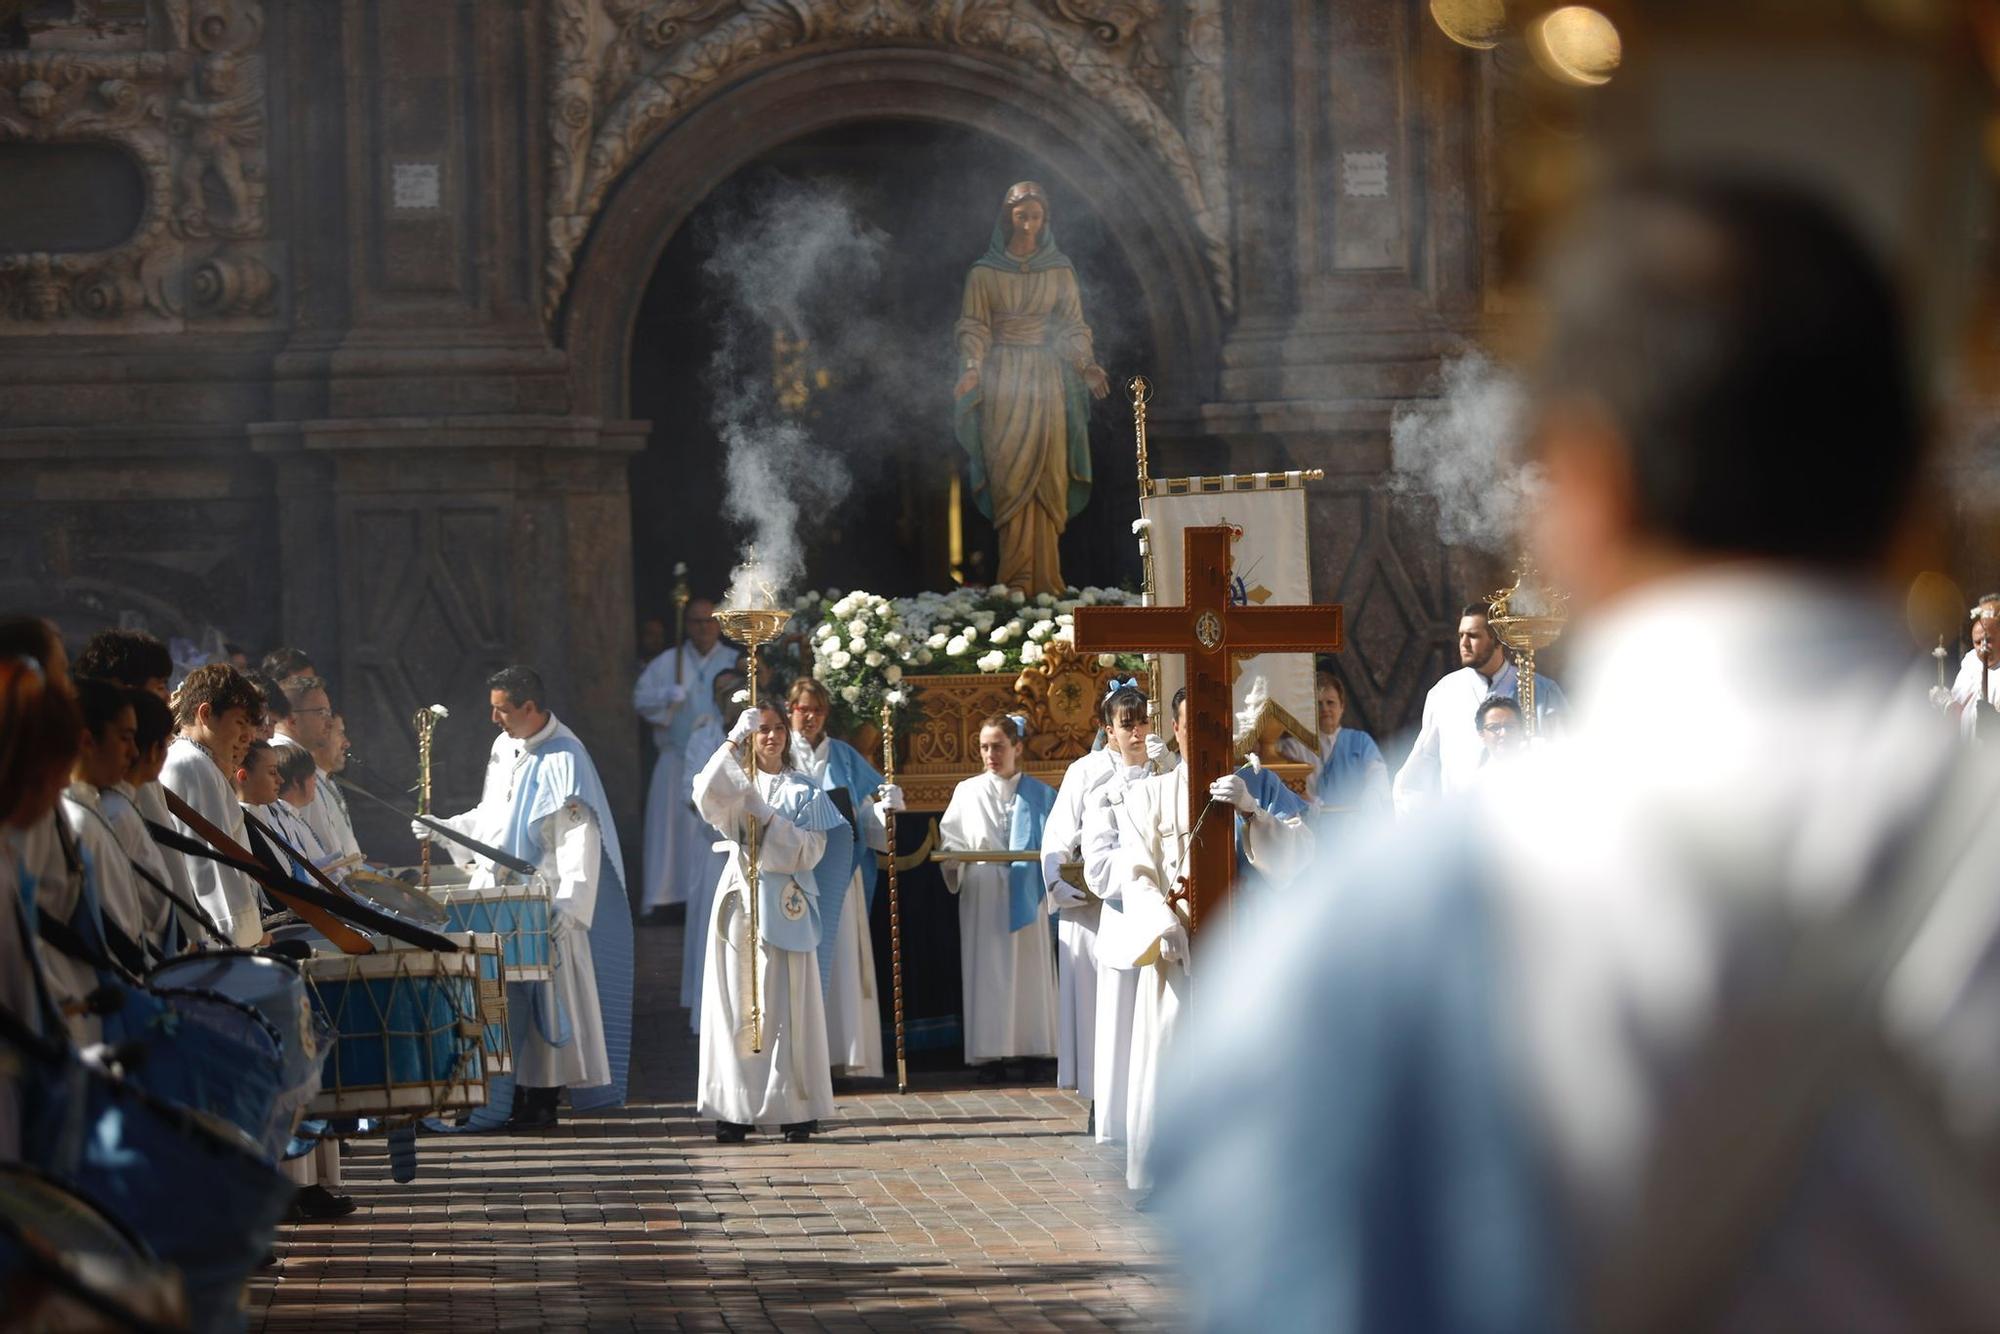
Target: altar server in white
709, 732
674, 694
1151, 933
1007, 965
1447, 754
218, 712
542, 802
847, 953
130, 925
1131, 751
769, 1068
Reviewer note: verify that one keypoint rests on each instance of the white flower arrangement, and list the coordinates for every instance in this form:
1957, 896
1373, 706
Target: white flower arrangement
863, 647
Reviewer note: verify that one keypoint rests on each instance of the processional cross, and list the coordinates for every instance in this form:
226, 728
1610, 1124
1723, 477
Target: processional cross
1208, 631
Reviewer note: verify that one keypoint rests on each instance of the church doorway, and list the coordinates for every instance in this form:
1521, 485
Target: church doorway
876, 394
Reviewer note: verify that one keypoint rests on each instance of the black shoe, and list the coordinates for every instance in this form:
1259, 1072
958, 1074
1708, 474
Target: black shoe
991, 1071
1090, 1123
798, 1132
270, 1259
729, 1132
534, 1110
317, 1204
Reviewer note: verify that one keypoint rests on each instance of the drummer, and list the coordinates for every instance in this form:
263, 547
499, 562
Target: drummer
542, 802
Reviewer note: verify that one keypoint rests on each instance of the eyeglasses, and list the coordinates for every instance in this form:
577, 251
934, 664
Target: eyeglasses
313, 713
1498, 729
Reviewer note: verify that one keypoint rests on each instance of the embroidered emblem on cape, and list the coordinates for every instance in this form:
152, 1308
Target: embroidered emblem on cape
793, 902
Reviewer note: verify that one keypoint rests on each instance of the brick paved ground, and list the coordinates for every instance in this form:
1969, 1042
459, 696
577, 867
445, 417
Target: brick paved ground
951, 1207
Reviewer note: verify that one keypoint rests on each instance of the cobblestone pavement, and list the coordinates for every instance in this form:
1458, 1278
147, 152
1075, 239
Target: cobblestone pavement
951, 1207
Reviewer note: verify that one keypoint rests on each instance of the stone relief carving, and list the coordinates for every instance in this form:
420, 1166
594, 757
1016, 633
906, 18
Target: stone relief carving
623, 71
181, 92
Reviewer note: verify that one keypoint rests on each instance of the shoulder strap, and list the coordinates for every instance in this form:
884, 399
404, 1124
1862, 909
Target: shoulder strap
1725, 1158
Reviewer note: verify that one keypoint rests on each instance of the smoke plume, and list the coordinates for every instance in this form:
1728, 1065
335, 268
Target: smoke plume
1463, 450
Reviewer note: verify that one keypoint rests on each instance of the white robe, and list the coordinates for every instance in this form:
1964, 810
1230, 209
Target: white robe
330, 804
121, 805
789, 1079
328, 826
1448, 753
677, 843
570, 863
58, 893
151, 802
1972, 675
1008, 976
853, 1009
1151, 857
230, 897
127, 903
1084, 785
707, 735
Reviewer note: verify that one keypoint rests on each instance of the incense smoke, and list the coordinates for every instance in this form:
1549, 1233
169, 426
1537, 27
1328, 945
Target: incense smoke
1463, 450
790, 265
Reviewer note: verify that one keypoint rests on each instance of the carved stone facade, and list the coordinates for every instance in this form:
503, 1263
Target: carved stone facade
184, 96
358, 376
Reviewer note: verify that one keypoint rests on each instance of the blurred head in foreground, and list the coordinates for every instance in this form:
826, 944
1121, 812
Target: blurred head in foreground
1683, 1021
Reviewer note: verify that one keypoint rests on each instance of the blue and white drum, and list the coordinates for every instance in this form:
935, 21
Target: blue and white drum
518, 914
493, 979
211, 1054
276, 990
52, 1240
407, 1033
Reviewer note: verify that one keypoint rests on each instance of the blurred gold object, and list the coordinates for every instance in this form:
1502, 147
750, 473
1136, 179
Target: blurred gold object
1934, 608
1576, 45
753, 627
1479, 24
1527, 618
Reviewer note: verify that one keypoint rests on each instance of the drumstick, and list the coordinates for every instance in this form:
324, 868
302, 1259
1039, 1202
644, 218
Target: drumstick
321, 916
408, 932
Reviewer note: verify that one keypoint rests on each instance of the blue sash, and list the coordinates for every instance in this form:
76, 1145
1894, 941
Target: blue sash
1033, 800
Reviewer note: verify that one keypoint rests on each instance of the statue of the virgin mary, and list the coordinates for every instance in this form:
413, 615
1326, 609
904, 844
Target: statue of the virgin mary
1022, 418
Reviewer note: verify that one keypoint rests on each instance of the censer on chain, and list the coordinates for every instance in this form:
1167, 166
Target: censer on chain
1527, 618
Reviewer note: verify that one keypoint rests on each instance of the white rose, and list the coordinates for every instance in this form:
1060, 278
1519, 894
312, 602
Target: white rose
1039, 632
998, 591
893, 639
884, 612
924, 658
892, 673
857, 627
1107, 660
1065, 606
957, 646
812, 597
850, 693
1017, 597
937, 640
1067, 634
1001, 635
1067, 618
1141, 525
1045, 599
991, 662
839, 658
873, 659
1031, 653
857, 645
894, 699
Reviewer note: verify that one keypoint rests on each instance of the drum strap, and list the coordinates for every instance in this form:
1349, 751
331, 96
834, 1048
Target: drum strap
301, 899
192, 910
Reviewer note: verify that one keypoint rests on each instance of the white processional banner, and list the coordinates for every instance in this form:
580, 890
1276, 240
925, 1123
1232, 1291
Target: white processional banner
1269, 566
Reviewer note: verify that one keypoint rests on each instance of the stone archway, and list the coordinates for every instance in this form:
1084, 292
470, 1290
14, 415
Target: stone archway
1086, 146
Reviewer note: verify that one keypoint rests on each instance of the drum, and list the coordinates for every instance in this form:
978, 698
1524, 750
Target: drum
66, 1264
210, 1053
397, 899
518, 914
406, 1033
498, 1048
197, 1191
275, 989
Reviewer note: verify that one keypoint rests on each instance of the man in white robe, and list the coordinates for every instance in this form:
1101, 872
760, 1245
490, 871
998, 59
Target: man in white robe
541, 801
853, 1009
673, 694
1150, 935
310, 726
218, 711
1447, 754
1713, 1048
1978, 680
1007, 965
1131, 751
331, 758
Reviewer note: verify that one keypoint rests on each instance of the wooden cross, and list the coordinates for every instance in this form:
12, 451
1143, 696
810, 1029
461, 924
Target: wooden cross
1208, 630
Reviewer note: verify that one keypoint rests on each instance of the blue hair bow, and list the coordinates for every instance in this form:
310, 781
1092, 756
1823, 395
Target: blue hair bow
1115, 684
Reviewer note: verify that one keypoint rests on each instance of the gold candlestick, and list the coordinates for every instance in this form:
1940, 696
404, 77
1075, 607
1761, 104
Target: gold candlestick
1527, 618
426, 723
895, 904
753, 627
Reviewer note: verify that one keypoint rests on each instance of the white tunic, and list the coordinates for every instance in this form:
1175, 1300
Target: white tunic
853, 1009
121, 805
59, 894
569, 864
1008, 977
1150, 859
1973, 678
677, 843
151, 801
231, 898
707, 735
789, 1079
319, 813
118, 887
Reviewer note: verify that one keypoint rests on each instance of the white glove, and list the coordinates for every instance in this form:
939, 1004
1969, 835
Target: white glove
1173, 946
422, 832
1232, 789
889, 797
1156, 748
755, 805
1067, 895
676, 694
745, 728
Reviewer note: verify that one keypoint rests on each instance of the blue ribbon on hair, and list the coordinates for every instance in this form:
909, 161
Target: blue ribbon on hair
1116, 684
1020, 723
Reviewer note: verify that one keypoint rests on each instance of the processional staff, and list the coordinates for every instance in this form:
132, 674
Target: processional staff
895, 903
426, 723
